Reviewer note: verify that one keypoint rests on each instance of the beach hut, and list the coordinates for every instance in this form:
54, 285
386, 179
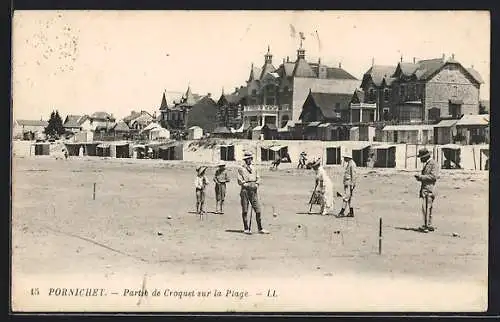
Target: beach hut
473, 128
73, 148
385, 156
153, 150
445, 131
333, 155
273, 152
171, 151
360, 155
91, 149
227, 152
484, 159
450, 156
120, 150
103, 150
139, 151
42, 149
195, 133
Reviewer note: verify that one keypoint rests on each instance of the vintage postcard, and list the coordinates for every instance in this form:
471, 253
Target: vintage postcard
250, 161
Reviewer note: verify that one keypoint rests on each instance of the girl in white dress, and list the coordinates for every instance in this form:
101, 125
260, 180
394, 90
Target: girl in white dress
325, 186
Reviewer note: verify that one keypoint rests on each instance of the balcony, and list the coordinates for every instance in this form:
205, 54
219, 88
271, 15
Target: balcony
267, 108
358, 106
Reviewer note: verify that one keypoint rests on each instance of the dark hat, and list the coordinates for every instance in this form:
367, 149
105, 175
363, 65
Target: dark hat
422, 153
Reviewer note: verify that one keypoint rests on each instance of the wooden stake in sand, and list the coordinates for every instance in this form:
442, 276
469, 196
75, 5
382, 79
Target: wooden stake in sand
380, 236
93, 195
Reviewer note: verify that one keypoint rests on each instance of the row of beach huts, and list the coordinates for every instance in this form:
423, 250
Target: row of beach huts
365, 154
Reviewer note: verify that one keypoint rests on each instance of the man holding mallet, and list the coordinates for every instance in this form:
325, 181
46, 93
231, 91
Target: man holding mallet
249, 180
428, 178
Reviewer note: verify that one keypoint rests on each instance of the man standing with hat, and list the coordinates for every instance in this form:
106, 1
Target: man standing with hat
220, 179
428, 179
249, 180
349, 182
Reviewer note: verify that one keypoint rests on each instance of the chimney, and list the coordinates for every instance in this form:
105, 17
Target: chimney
287, 59
472, 66
284, 61
340, 65
414, 60
401, 59
319, 61
209, 95
236, 89
453, 56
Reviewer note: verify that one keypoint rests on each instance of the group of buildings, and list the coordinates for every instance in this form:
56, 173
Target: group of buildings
431, 101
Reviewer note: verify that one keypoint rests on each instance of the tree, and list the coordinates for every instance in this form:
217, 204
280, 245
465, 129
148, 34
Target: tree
55, 126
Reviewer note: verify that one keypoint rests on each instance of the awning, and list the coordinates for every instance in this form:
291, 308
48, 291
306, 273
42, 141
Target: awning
408, 127
324, 125
276, 148
451, 146
446, 123
456, 101
313, 124
474, 120
103, 146
225, 145
383, 146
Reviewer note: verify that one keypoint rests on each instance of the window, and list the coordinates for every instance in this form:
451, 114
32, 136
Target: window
455, 110
403, 92
386, 114
434, 114
420, 91
254, 92
371, 95
286, 89
284, 120
386, 95
337, 107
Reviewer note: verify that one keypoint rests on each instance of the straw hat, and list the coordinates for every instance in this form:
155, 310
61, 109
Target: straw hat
221, 164
201, 169
348, 154
247, 155
422, 153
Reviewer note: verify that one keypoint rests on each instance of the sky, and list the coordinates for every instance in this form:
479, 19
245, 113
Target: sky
80, 62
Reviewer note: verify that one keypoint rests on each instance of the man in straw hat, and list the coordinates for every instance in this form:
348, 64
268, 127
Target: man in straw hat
324, 186
249, 180
200, 183
349, 182
220, 179
428, 178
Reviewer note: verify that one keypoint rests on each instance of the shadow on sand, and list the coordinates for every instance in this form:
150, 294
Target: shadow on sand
240, 231
409, 229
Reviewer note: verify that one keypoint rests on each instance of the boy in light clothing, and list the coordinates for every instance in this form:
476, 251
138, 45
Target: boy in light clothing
220, 179
200, 183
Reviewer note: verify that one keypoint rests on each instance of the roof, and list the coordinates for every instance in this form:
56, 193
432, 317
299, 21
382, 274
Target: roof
414, 127
254, 73
313, 124
475, 74
73, 121
233, 98
288, 67
327, 102
472, 120
32, 123
446, 123
338, 73
101, 116
428, 67
132, 115
267, 68
384, 146
221, 130
163, 104
151, 126
360, 94
408, 68
451, 146
189, 99
379, 72
303, 69
121, 127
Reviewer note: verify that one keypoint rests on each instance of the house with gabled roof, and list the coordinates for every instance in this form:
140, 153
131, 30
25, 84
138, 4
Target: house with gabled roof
275, 95
75, 123
230, 109
422, 91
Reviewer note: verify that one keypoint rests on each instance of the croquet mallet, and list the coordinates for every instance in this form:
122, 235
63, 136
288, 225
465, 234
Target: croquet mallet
312, 198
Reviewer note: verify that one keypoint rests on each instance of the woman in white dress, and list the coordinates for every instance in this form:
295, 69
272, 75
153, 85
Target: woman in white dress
325, 186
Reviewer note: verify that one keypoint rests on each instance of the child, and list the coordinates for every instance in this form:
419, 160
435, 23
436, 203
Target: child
220, 179
200, 184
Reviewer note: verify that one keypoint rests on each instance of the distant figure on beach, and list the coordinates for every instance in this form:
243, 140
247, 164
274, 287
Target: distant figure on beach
80, 151
302, 160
